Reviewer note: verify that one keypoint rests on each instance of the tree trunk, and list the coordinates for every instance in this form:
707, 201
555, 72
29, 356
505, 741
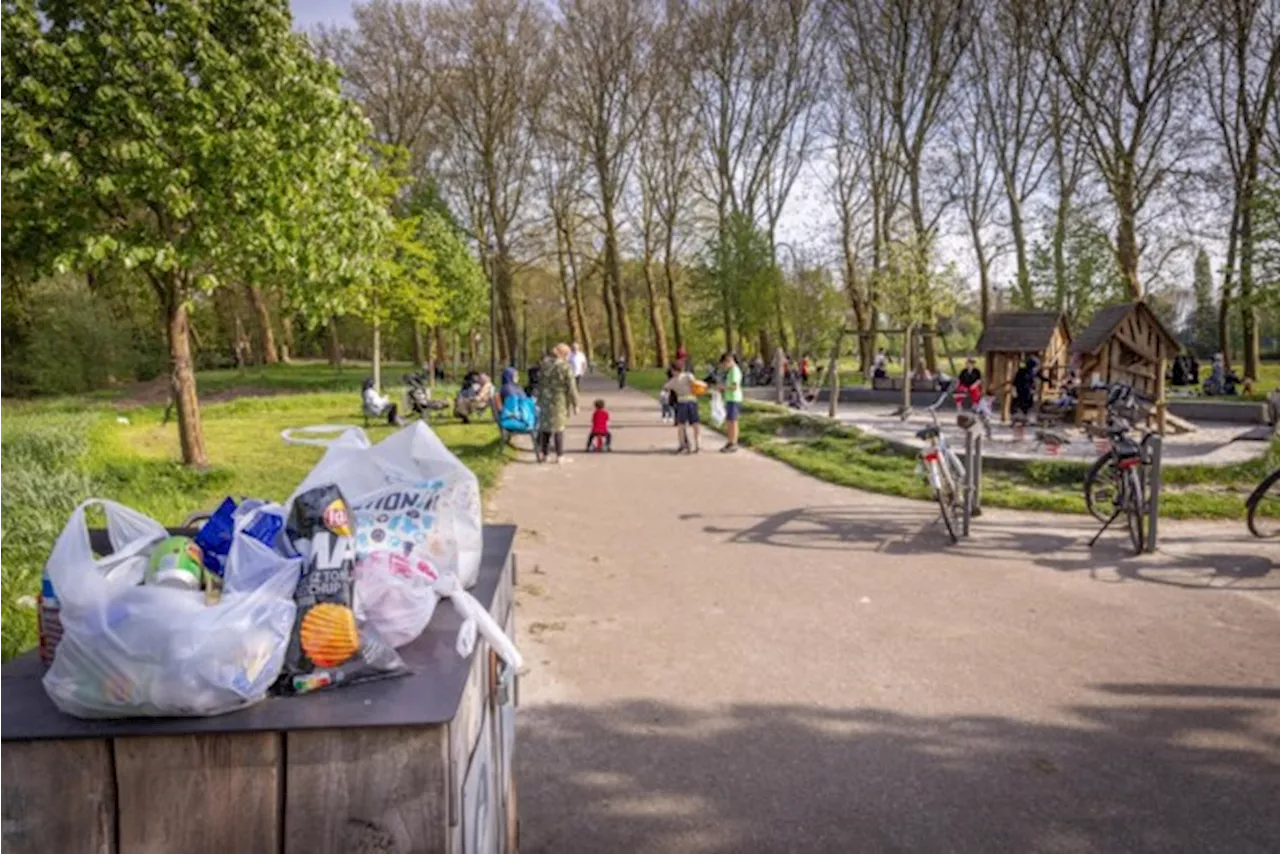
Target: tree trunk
655, 317
442, 349
1228, 287
335, 346
587, 344
419, 346
286, 330
569, 312
1060, 253
1127, 244
1020, 252
1248, 311
672, 300
263, 312
183, 381
613, 277
377, 356
728, 327
608, 317
507, 333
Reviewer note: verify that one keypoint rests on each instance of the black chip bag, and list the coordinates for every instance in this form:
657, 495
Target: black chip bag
328, 645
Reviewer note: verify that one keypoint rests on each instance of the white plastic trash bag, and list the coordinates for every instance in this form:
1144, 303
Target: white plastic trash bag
130, 650
718, 413
419, 534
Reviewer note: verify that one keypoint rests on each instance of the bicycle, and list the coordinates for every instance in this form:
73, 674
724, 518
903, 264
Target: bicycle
1116, 476
1263, 507
942, 467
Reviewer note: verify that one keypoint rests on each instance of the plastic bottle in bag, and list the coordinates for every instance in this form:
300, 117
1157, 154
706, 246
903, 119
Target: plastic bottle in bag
48, 620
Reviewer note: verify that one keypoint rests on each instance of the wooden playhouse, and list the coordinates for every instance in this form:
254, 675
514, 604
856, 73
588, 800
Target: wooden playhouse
1124, 343
1009, 337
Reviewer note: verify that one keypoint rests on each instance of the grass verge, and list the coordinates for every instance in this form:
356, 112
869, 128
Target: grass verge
842, 454
55, 453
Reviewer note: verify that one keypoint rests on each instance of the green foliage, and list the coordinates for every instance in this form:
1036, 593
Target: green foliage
1091, 277
912, 290
738, 281
1201, 332
814, 308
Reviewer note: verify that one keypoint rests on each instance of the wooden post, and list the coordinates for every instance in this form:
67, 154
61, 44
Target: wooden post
834, 370
1161, 403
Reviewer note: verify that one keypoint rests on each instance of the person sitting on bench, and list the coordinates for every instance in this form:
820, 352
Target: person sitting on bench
969, 383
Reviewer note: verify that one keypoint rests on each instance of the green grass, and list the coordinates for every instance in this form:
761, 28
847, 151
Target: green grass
842, 454
56, 452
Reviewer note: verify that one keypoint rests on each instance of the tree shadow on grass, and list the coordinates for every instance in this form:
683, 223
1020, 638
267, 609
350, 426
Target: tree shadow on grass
1159, 774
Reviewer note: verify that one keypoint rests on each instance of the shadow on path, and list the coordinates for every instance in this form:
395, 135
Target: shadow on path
1154, 775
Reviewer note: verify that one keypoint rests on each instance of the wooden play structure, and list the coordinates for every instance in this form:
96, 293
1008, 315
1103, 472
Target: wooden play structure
1124, 343
1009, 337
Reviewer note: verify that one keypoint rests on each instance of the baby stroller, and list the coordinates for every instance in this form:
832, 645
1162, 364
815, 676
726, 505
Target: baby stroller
419, 399
519, 417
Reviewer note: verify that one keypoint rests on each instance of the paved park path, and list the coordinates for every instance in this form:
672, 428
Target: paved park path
728, 656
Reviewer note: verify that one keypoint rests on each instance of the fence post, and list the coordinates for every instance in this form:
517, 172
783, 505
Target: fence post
834, 368
1155, 443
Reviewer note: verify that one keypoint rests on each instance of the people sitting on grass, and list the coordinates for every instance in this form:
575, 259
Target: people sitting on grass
601, 437
1221, 380
379, 406
687, 422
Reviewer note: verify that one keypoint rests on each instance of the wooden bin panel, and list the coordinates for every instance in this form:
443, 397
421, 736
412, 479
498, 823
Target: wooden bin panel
58, 796
196, 793
380, 790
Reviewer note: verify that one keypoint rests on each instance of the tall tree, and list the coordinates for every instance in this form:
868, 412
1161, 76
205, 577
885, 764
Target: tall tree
190, 141
1242, 70
757, 69
1012, 79
493, 84
1126, 65
605, 50
1202, 326
909, 51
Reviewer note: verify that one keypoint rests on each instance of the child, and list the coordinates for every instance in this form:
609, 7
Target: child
686, 407
668, 399
600, 427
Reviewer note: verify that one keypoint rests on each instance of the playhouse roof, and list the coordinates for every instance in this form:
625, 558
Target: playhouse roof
1019, 331
1108, 319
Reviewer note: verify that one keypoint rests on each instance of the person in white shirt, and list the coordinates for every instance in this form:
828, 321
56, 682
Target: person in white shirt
379, 406
578, 362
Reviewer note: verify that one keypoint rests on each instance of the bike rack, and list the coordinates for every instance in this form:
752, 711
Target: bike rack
973, 476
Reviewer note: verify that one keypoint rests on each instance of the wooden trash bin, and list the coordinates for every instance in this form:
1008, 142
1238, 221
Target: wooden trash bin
421, 763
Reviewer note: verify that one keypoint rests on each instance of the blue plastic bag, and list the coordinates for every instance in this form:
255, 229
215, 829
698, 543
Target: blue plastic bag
519, 415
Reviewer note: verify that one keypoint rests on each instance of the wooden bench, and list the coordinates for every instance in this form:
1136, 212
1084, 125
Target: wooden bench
422, 763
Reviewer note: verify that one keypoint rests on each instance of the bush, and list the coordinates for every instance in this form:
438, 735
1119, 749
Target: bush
43, 476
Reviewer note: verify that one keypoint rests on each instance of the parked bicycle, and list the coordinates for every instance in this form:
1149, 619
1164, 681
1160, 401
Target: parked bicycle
942, 467
1263, 507
1115, 484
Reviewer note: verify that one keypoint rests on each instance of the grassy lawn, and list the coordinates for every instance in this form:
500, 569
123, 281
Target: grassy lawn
842, 454
57, 452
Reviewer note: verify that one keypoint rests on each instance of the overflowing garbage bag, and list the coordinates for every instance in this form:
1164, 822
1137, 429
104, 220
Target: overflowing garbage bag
140, 634
418, 530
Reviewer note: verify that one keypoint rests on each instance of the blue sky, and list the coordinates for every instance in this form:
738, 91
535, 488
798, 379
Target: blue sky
308, 13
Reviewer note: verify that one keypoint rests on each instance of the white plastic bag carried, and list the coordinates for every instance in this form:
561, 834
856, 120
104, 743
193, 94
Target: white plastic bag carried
419, 534
130, 650
718, 412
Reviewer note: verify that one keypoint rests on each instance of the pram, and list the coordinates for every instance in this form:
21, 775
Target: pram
520, 417
418, 397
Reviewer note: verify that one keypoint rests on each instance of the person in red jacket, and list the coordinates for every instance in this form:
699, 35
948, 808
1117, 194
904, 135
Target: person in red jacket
600, 428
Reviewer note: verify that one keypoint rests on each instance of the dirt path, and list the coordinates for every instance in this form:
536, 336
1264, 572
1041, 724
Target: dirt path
728, 656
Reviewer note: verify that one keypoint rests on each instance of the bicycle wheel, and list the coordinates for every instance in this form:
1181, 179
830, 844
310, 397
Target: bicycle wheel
946, 496
1102, 487
1135, 513
1263, 507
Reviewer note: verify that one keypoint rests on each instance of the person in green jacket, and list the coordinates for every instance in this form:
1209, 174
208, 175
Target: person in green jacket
557, 396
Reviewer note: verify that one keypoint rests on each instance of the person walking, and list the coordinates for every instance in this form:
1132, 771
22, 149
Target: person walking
731, 388
622, 371
578, 362
557, 396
